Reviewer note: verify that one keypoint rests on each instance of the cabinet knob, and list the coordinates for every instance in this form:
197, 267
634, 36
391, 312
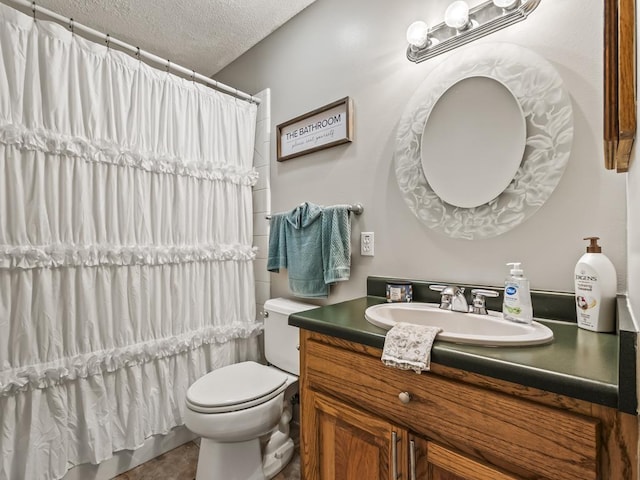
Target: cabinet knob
404, 397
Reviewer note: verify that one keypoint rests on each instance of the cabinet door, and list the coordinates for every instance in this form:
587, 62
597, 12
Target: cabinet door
430, 461
343, 443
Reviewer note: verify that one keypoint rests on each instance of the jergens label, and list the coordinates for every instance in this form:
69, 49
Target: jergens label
588, 294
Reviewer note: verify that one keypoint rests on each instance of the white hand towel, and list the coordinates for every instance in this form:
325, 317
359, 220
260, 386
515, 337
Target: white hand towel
408, 346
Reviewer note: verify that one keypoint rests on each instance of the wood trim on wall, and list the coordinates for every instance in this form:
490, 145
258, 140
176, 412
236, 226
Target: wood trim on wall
620, 120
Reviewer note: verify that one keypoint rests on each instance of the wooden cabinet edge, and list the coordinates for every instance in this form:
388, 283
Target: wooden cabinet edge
620, 118
610, 82
538, 396
618, 437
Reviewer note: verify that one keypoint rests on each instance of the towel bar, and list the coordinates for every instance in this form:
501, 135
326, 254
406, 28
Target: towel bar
356, 208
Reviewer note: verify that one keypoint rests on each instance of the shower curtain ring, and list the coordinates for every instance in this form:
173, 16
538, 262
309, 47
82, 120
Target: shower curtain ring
107, 40
33, 9
168, 65
138, 53
193, 76
71, 25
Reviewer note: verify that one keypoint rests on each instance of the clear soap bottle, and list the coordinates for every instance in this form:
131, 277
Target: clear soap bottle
517, 296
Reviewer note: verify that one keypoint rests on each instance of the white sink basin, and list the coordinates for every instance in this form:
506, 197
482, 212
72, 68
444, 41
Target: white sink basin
488, 330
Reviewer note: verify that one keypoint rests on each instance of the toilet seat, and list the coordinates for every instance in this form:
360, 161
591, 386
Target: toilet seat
220, 391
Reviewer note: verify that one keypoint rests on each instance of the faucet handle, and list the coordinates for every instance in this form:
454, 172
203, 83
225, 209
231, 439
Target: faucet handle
447, 289
445, 297
437, 288
479, 296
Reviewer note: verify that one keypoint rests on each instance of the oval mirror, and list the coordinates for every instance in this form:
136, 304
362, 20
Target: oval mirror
425, 180
473, 142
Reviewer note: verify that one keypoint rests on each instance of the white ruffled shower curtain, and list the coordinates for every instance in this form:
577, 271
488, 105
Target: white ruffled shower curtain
126, 258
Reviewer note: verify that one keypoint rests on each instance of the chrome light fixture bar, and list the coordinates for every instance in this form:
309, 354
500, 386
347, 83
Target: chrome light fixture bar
463, 25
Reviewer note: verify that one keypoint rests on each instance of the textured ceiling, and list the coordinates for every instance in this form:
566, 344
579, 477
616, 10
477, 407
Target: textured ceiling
204, 35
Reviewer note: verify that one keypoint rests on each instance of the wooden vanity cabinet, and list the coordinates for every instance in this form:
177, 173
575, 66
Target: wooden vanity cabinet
428, 460
363, 420
351, 444
354, 444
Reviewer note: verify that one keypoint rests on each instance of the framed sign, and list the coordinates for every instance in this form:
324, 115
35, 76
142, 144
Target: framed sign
322, 128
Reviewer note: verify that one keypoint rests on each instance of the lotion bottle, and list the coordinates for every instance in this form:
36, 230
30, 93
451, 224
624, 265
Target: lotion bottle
595, 282
517, 297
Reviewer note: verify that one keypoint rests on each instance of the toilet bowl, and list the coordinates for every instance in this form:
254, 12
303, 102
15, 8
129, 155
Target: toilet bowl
242, 411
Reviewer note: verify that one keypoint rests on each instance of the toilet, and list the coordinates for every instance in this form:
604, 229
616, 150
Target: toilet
242, 411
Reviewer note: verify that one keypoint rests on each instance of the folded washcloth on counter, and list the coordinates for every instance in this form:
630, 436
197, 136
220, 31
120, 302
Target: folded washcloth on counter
408, 346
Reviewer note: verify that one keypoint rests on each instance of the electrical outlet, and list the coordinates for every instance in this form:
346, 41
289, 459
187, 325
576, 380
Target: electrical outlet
366, 244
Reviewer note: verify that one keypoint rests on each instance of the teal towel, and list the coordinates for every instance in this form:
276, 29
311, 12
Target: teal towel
314, 245
336, 243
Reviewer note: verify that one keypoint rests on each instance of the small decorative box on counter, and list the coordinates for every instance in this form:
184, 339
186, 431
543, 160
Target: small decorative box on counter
399, 291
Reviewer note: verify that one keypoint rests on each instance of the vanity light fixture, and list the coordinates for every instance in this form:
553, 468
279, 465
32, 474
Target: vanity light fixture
506, 4
418, 34
463, 25
457, 16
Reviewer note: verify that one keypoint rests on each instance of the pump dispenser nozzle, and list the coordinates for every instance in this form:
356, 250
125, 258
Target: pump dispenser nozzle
593, 245
515, 269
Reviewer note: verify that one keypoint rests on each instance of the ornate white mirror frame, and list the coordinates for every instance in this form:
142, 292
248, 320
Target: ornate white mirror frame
546, 106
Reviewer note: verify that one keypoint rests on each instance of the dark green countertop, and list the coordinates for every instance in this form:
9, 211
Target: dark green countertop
578, 363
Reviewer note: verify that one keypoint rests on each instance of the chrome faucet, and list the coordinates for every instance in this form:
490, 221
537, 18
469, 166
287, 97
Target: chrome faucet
451, 298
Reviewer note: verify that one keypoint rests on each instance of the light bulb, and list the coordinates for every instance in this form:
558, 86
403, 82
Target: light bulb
457, 15
506, 4
418, 34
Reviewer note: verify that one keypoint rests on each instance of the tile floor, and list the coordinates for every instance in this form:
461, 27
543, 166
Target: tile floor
180, 464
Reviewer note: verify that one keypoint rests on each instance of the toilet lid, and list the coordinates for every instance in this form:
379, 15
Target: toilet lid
236, 384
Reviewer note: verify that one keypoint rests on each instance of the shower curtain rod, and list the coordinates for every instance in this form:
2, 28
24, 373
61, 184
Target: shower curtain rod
73, 26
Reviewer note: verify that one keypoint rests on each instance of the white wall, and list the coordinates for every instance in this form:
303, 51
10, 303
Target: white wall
356, 48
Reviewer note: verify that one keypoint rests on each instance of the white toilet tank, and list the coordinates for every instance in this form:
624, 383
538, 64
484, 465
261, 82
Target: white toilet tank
281, 340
